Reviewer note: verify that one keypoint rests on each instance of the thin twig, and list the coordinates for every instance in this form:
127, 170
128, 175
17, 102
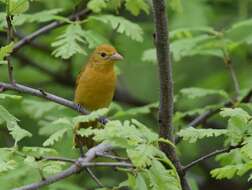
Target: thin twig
166, 86
92, 175
73, 169
61, 159
113, 157
205, 157
49, 27
229, 65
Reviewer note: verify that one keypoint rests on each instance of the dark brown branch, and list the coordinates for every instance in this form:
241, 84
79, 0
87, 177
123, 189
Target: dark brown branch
49, 27
214, 153
166, 87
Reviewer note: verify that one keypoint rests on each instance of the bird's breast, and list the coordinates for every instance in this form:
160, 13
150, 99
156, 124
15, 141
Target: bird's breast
95, 88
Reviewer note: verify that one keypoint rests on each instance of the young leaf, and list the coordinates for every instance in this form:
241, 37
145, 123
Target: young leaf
135, 6
55, 137
96, 5
17, 132
195, 92
93, 39
122, 26
6, 50
17, 6
6, 166
90, 117
38, 151
68, 43
235, 112
6, 116
192, 135
10, 96
150, 55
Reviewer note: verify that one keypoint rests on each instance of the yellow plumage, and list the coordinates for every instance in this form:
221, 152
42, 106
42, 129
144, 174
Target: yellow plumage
95, 85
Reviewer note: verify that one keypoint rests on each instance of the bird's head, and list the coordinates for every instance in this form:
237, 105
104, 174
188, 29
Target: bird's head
105, 54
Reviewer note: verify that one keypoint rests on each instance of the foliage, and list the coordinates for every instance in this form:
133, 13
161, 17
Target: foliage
204, 36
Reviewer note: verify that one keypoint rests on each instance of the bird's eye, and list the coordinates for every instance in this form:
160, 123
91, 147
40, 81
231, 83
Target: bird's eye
103, 54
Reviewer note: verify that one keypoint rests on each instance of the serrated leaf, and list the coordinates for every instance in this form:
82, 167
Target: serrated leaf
97, 5
227, 172
141, 156
191, 134
38, 109
195, 92
69, 42
135, 6
6, 166
135, 111
55, 137
38, 151
93, 39
18, 6
17, 132
90, 117
6, 116
6, 50
52, 167
122, 26
235, 112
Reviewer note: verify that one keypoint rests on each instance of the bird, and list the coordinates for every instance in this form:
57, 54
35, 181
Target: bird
95, 87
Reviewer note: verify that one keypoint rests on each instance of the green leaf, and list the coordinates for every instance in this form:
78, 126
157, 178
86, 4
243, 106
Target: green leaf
150, 55
17, 132
176, 5
135, 111
141, 156
96, 5
135, 6
42, 16
37, 109
90, 117
161, 179
194, 92
6, 116
140, 183
122, 26
38, 151
6, 166
52, 167
192, 135
10, 96
69, 42
55, 137
93, 39
235, 112
18, 6
6, 50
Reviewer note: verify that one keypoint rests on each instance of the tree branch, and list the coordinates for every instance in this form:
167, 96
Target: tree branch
75, 168
214, 153
166, 87
48, 28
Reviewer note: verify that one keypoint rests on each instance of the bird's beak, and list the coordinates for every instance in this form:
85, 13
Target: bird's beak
116, 57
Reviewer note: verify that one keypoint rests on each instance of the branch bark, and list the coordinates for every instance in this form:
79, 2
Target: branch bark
166, 86
207, 156
75, 168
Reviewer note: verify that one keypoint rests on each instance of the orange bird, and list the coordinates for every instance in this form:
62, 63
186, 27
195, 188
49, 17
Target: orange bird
95, 86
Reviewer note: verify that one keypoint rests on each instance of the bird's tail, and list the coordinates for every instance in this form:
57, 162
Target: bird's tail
80, 141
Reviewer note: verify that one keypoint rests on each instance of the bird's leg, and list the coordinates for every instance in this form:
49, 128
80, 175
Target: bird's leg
103, 120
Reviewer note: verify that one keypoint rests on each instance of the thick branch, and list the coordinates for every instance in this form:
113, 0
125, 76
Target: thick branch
166, 86
214, 153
